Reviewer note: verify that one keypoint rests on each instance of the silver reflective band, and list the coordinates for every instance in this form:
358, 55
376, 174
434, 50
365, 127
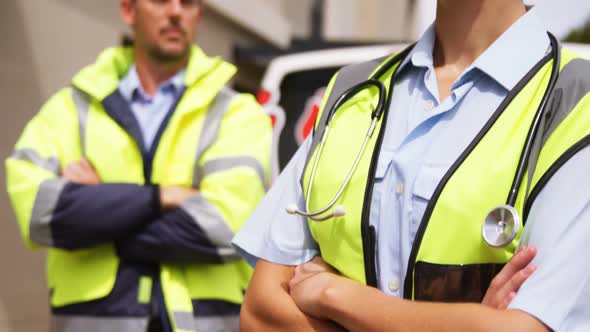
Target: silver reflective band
97, 324
82, 101
218, 324
211, 126
206, 215
50, 164
184, 320
568, 92
226, 163
501, 226
43, 208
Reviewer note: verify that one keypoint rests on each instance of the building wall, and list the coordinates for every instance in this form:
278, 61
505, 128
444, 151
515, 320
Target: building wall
298, 14
369, 20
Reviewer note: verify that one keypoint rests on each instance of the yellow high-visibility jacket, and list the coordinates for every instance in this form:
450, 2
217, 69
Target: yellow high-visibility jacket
113, 256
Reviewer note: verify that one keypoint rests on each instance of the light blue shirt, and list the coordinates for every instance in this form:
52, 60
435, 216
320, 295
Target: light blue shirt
150, 111
424, 137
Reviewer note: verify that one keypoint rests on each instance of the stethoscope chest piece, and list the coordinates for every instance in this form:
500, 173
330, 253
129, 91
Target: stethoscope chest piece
501, 226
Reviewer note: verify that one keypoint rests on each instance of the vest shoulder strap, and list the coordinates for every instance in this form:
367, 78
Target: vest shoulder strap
572, 85
346, 78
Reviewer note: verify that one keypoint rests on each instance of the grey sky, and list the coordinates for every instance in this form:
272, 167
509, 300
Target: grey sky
561, 16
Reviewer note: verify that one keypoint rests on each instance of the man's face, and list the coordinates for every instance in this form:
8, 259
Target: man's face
163, 28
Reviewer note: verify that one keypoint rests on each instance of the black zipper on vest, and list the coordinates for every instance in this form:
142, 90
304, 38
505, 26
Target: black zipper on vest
565, 157
408, 283
368, 234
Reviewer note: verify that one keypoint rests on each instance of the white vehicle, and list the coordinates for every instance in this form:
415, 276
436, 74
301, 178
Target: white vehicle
293, 85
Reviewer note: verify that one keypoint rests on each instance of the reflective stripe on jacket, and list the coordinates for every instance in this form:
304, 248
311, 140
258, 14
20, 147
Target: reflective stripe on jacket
214, 139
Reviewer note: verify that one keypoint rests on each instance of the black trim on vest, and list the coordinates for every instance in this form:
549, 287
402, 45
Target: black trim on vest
565, 157
215, 308
436, 194
454, 283
368, 235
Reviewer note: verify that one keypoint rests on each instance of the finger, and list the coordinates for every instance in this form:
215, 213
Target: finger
296, 278
304, 271
85, 164
88, 169
520, 260
506, 302
72, 171
300, 273
325, 266
518, 279
503, 295
313, 266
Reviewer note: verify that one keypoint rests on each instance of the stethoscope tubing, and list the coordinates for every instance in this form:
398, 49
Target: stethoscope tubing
524, 160
503, 222
375, 116
507, 209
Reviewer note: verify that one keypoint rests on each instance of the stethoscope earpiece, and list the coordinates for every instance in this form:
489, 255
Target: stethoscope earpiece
292, 209
339, 211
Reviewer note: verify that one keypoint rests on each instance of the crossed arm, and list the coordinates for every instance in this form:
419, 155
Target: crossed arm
169, 236
61, 202
313, 297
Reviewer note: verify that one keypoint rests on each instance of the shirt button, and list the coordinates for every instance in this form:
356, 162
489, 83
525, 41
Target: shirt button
428, 105
393, 285
399, 187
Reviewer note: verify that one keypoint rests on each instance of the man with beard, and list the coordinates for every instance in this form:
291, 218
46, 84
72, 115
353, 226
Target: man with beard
135, 179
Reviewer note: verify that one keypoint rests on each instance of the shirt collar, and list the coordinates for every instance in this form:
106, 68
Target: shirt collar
130, 86
516, 51
506, 61
421, 53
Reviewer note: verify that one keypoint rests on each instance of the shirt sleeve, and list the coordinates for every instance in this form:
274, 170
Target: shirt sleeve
271, 233
558, 293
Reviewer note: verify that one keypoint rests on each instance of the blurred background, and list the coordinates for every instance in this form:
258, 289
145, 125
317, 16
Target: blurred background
44, 42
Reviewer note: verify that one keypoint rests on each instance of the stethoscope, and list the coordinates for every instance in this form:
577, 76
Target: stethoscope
501, 224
